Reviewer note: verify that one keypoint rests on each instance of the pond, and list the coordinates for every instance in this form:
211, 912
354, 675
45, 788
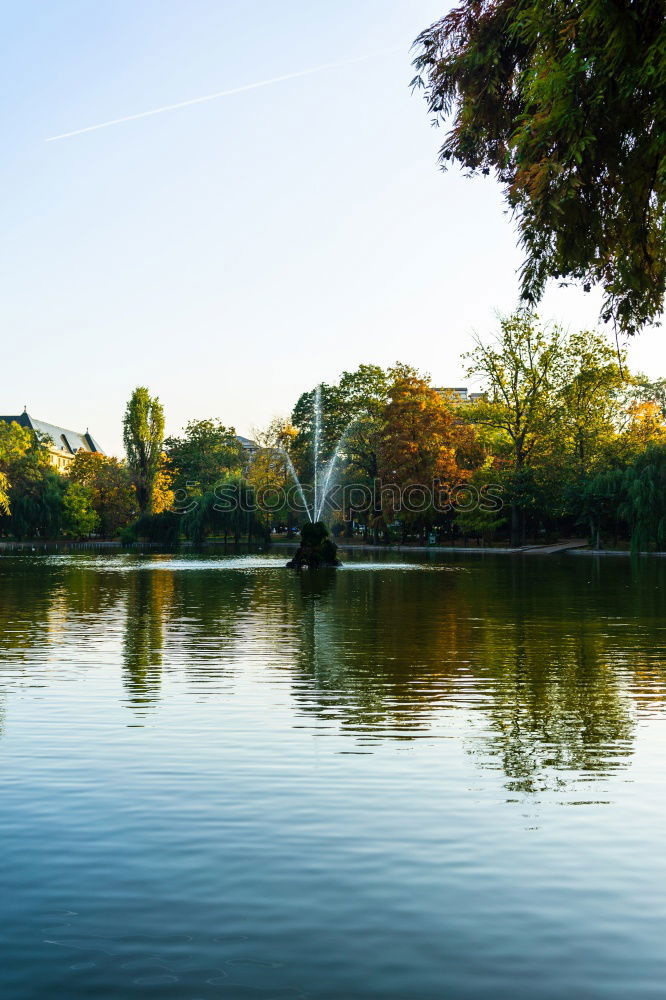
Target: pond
435, 779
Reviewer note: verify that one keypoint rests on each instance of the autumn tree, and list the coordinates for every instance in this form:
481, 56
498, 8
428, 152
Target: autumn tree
269, 471
352, 416
112, 494
420, 438
644, 427
356, 399
646, 390
564, 101
4, 493
164, 490
143, 433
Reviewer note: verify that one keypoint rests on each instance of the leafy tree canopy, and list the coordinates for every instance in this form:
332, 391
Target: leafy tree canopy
107, 480
521, 369
353, 407
565, 100
205, 453
78, 514
143, 432
420, 440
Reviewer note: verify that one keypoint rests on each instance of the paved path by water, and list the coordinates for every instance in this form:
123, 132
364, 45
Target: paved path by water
549, 550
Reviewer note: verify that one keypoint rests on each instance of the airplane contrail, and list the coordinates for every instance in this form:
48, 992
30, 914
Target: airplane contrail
219, 93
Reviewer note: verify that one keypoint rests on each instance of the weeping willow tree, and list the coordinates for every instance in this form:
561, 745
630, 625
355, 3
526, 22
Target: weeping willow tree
230, 510
645, 505
599, 503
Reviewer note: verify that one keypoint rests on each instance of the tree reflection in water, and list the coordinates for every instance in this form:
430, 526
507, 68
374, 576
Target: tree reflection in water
543, 667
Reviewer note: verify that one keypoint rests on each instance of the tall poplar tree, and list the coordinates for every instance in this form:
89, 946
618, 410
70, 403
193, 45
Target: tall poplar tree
143, 433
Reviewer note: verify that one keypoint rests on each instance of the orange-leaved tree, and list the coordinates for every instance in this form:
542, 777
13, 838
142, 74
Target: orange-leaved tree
421, 440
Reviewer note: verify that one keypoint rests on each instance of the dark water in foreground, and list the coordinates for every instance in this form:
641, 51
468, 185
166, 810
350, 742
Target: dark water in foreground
219, 779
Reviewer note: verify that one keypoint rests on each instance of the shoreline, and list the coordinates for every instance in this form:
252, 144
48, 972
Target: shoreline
573, 547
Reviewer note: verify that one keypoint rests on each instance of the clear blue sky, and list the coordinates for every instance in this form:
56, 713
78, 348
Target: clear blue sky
233, 253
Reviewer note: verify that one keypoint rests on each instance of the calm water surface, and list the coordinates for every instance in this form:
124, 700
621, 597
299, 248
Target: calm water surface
427, 781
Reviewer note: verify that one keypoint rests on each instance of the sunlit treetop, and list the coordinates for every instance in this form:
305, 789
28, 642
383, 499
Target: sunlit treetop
565, 102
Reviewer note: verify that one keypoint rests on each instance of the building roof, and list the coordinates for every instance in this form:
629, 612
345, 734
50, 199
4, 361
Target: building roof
61, 438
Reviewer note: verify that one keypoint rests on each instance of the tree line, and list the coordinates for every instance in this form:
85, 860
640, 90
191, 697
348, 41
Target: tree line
564, 438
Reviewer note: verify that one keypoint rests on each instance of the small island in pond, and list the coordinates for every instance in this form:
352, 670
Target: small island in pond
317, 548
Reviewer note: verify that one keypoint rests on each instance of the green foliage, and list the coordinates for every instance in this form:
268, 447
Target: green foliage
353, 407
645, 505
592, 381
4, 494
78, 514
163, 528
229, 510
598, 503
483, 524
206, 453
522, 372
15, 442
36, 498
556, 402
31, 492
353, 411
564, 100
143, 431
112, 494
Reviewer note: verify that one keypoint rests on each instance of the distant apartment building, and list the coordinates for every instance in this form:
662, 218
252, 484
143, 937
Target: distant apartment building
460, 394
248, 446
62, 444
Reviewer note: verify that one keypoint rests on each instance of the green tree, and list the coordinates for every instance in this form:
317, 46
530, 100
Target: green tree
645, 505
599, 503
358, 398
522, 373
15, 441
592, 382
31, 504
78, 513
482, 524
564, 100
269, 473
143, 432
352, 414
35, 497
229, 509
203, 455
112, 494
